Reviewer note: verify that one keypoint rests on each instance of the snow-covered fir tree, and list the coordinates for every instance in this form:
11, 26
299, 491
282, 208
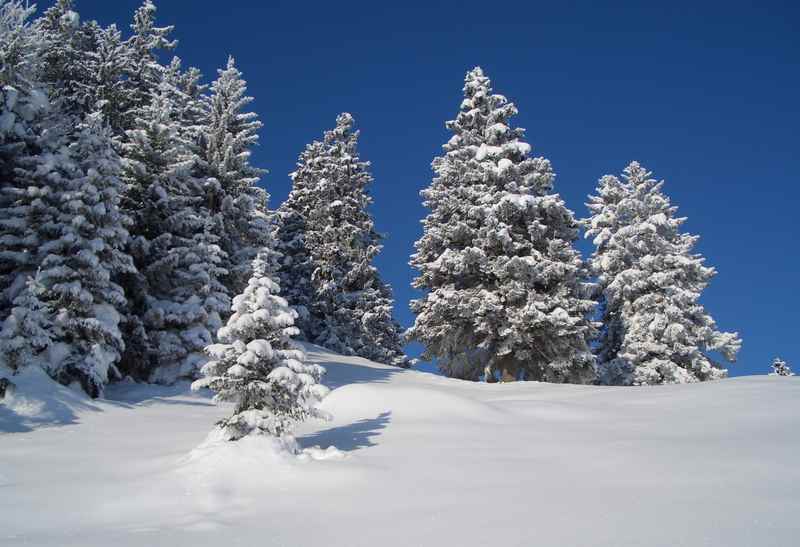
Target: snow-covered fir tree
28, 331
82, 249
780, 368
505, 289
143, 73
62, 54
228, 134
80, 191
24, 117
257, 367
106, 88
182, 92
180, 297
295, 266
189, 104
650, 280
351, 311
89, 68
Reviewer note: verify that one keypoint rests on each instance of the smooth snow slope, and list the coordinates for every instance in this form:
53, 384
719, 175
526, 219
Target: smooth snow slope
428, 461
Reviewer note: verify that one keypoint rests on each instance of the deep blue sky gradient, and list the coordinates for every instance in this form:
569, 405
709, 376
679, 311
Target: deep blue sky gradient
705, 94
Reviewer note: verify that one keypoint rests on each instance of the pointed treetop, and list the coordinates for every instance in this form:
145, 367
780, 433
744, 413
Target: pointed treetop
230, 71
476, 74
144, 28
637, 174
61, 17
476, 81
345, 120
343, 129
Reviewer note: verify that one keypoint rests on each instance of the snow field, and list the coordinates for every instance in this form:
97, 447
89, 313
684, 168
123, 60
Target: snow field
419, 460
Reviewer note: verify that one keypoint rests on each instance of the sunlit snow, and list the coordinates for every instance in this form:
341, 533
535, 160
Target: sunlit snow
418, 459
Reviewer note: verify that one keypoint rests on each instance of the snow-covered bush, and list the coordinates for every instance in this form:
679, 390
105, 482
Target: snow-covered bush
505, 286
654, 330
256, 366
781, 368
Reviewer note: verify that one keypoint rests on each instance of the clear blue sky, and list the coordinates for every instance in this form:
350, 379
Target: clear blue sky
705, 94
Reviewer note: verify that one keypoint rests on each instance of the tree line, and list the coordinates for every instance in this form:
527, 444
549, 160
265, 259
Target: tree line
130, 213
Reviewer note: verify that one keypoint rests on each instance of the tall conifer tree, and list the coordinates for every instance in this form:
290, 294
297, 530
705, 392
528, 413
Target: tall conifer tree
504, 286
24, 116
327, 232
650, 280
82, 252
177, 254
233, 197
294, 264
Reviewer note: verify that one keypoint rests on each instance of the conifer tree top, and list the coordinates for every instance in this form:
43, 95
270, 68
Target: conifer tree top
146, 34
781, 368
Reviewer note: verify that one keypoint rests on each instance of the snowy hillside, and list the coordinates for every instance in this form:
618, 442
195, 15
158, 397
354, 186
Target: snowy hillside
424, 460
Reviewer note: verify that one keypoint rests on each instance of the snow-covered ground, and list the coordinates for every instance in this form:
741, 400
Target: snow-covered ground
423, 460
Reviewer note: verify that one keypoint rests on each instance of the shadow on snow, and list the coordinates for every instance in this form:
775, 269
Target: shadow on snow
350, 437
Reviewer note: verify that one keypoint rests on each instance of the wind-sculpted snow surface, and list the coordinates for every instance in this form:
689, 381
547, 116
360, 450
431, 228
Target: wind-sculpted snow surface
418, 460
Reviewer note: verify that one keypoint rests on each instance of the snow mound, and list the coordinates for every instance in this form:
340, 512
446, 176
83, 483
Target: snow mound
37, 401
234, 460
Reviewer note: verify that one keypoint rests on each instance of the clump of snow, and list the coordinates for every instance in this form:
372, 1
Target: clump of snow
71, 19
317, 453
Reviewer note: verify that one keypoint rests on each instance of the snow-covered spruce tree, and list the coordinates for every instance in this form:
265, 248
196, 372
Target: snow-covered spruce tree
182, 91
180, 298
141, 81
232, 197
83, 250
89, 68
23, 112
351, 304
505, 287
780, 368
27, 331
189, 103
256, 367
295, 266
62, 53
143, 73
611, 192
105, 90
655, 331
